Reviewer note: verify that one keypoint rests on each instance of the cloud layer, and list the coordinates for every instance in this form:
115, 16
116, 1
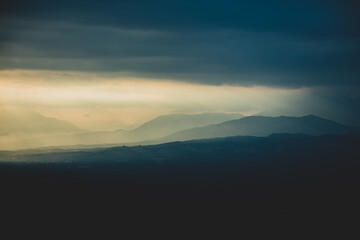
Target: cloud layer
273, 49
272, 43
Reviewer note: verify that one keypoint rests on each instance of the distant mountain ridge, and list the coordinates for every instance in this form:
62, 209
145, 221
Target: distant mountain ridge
158, 127
167, 124
153, 129
183, 127
22, 122
263, 126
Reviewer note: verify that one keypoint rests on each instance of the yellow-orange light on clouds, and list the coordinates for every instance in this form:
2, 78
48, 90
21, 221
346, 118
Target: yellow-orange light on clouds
101, 102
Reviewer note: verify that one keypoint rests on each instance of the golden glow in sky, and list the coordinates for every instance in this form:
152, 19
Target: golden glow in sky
99, 102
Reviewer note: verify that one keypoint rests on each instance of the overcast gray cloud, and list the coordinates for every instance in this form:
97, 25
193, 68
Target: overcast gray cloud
277, 43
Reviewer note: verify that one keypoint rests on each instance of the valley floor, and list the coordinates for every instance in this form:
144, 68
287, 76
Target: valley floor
216, 189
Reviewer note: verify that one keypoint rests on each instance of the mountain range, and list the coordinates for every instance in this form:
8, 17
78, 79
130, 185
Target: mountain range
263, 126
159, 127
40, 131
16, 122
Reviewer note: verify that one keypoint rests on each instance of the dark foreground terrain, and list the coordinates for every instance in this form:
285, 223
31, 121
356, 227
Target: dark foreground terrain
210, 189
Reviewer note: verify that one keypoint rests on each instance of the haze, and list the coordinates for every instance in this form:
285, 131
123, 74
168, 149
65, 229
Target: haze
117, 65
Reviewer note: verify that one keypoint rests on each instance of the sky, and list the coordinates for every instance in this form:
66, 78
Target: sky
104, 65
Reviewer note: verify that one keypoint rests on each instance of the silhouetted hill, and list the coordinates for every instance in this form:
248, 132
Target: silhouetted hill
219, 148
264, 126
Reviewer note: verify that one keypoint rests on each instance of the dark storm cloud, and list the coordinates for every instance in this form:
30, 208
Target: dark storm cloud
282, 43
314, 17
